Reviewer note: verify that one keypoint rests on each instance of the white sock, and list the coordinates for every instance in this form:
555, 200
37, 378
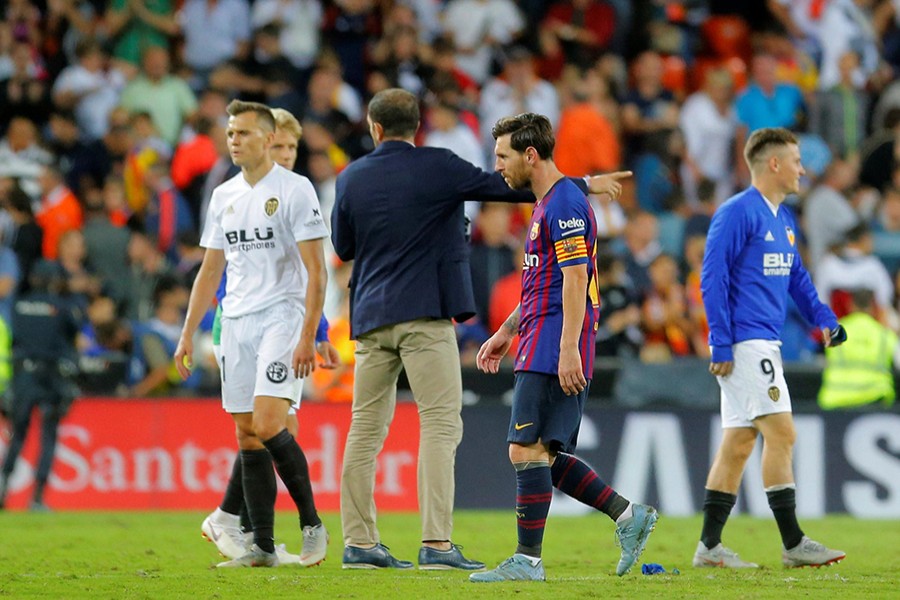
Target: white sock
534, 561
626, 514
220, 516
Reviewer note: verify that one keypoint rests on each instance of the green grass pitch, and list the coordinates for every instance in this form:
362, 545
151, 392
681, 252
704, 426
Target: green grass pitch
160, 555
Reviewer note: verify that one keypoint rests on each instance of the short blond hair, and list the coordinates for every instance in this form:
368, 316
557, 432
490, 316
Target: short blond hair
285, 121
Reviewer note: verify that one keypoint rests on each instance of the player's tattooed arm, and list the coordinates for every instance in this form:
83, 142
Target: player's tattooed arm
511, 325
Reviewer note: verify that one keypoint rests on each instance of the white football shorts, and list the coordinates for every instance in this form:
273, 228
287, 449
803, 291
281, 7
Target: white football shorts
756, 387
255, 357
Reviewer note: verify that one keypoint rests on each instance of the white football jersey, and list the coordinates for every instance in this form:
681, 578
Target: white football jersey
258, 228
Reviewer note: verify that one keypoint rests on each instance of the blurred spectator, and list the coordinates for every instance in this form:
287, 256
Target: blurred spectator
324, 104
148, 266
190, 255
193, 160
767, 102
854, 267
700, 218
137, 25
102, 157
586, 141
24, 19
215, 31
664, 319
640, 247
444, 63
25, 92
709, 123
336, 385
298, 22
840, 113
323, 176
155, 340
401, 64
222, 170
62, 140
348, 27
879, 153
888, 219
657, 175
106, 244
27, 238
828, 212
59, 210
166, 214
492, 253
575, 32
168, 99
81, 284
648, 107
861, 374
479, 28
90, 89
518, 90
846, 25
619, 332
694, 248
800, 18
10, 276
21, 155
447, 131
67, 23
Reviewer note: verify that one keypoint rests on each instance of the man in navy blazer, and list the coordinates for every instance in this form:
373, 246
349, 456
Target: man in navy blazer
398, 215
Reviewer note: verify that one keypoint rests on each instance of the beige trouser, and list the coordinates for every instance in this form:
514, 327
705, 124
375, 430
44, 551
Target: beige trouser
427, 349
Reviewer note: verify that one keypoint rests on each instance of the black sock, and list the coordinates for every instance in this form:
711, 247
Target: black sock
246, 525
294, 472
784, 506
38, 497
259, 492
234, 491
716, 508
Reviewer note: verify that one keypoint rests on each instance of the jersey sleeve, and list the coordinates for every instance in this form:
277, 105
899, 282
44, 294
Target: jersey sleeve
305, 214
568, 223
726, 239
213, 236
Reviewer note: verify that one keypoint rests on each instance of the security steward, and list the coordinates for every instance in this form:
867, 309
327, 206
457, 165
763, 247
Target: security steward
44, 326
860, 373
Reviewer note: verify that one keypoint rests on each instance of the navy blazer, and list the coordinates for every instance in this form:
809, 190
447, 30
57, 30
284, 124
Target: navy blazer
398, 214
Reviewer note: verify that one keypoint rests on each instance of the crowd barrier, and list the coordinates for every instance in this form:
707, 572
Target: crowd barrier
177, 454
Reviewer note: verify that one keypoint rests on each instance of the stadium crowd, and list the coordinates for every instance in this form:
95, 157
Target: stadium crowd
112, 138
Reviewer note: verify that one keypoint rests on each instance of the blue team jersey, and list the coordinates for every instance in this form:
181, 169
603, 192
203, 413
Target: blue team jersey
562, 233
750, 267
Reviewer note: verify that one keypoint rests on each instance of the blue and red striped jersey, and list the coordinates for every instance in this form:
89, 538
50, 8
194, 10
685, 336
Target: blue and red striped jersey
562, 233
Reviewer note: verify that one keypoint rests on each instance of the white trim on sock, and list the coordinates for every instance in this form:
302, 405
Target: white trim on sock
781, 486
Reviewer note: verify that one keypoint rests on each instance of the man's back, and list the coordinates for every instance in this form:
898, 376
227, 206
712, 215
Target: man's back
399, 215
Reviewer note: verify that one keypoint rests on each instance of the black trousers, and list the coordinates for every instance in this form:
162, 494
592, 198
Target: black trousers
36, 385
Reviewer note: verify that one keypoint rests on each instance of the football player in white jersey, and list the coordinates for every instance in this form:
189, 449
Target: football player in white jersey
226, 525
266, 223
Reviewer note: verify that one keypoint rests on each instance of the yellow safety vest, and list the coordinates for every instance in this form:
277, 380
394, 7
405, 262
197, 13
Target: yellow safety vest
860, 371
5, 356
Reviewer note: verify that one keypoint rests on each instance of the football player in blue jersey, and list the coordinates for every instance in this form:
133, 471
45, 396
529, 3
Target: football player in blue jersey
556, 321
750, 268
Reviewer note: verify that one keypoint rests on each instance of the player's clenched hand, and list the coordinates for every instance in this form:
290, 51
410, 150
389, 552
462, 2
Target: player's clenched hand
304, 359
492, 351
571, 375
329, 355
721, 369
608, 184
183, 354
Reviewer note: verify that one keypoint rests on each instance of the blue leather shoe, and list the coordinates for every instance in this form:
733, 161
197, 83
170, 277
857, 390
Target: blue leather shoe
376, 557
432, 559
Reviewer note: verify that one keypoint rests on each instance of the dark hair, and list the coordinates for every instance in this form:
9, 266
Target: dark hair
527, 130
706, 190
607, 261
857, 232
862, 298
19, 201
397, 111
763, 139
264, 116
